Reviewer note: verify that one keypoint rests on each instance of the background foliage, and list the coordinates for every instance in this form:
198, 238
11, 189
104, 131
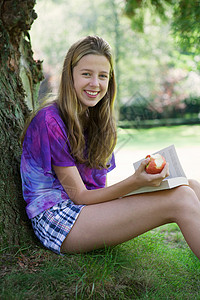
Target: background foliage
183, 15
149, 60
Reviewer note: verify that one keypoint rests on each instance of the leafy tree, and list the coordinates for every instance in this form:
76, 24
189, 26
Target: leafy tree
15, 95
184, 16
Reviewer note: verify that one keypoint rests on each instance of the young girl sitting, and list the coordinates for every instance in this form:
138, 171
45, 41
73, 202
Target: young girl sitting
67, 152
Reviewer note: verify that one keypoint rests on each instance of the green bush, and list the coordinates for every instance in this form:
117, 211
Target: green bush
139, 111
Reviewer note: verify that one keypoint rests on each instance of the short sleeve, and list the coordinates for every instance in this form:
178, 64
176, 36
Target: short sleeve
59, 144
46, 142
112, 164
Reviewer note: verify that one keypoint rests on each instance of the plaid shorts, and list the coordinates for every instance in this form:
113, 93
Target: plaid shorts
52, 226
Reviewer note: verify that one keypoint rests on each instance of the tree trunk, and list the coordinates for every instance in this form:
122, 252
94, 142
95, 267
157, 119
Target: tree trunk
19, 78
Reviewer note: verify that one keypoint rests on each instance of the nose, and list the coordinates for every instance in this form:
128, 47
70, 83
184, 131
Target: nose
94, 81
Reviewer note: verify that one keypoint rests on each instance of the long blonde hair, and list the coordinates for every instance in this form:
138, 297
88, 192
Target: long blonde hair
100, 129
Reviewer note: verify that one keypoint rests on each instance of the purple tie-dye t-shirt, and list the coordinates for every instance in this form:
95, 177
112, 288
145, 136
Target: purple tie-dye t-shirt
46, 144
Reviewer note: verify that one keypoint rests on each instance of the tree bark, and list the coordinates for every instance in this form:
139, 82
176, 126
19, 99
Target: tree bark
19, 78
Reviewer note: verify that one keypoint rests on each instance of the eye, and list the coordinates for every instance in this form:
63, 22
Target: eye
86, 74
104, 76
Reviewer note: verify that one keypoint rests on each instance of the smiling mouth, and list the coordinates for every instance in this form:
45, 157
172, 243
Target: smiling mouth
92, 94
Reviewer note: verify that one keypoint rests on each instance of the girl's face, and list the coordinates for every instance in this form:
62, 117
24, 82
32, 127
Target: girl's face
91, 79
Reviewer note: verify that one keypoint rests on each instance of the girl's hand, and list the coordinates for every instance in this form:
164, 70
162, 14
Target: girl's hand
141, 177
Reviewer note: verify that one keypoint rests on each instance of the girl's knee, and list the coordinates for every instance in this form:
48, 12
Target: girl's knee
194, 184
185, 201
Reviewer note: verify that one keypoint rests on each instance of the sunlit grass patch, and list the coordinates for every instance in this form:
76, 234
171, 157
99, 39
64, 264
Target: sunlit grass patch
160, 137
172, 235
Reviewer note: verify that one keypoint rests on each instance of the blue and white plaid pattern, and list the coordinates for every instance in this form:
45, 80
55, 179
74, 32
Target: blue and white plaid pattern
52, 226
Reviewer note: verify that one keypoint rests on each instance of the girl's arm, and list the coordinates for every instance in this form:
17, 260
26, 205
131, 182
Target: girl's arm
72, 182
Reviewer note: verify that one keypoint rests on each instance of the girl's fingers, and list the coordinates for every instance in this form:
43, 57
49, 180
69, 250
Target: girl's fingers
143, 164
165, 171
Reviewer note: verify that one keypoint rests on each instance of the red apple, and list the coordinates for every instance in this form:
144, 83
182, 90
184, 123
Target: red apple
156, 163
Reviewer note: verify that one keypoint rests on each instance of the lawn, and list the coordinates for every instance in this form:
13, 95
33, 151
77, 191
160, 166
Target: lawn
159, 137
156, 265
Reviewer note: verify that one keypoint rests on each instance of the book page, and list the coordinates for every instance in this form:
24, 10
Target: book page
171, 157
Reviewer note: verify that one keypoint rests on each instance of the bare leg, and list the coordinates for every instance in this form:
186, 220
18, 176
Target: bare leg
116, 221
195, 185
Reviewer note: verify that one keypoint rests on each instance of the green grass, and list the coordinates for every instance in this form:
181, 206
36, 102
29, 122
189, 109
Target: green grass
151, 266
160, 137
156, 265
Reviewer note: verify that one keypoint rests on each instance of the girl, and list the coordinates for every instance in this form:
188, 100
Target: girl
67, 152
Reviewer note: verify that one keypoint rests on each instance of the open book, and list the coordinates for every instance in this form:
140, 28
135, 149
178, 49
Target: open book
177, 176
